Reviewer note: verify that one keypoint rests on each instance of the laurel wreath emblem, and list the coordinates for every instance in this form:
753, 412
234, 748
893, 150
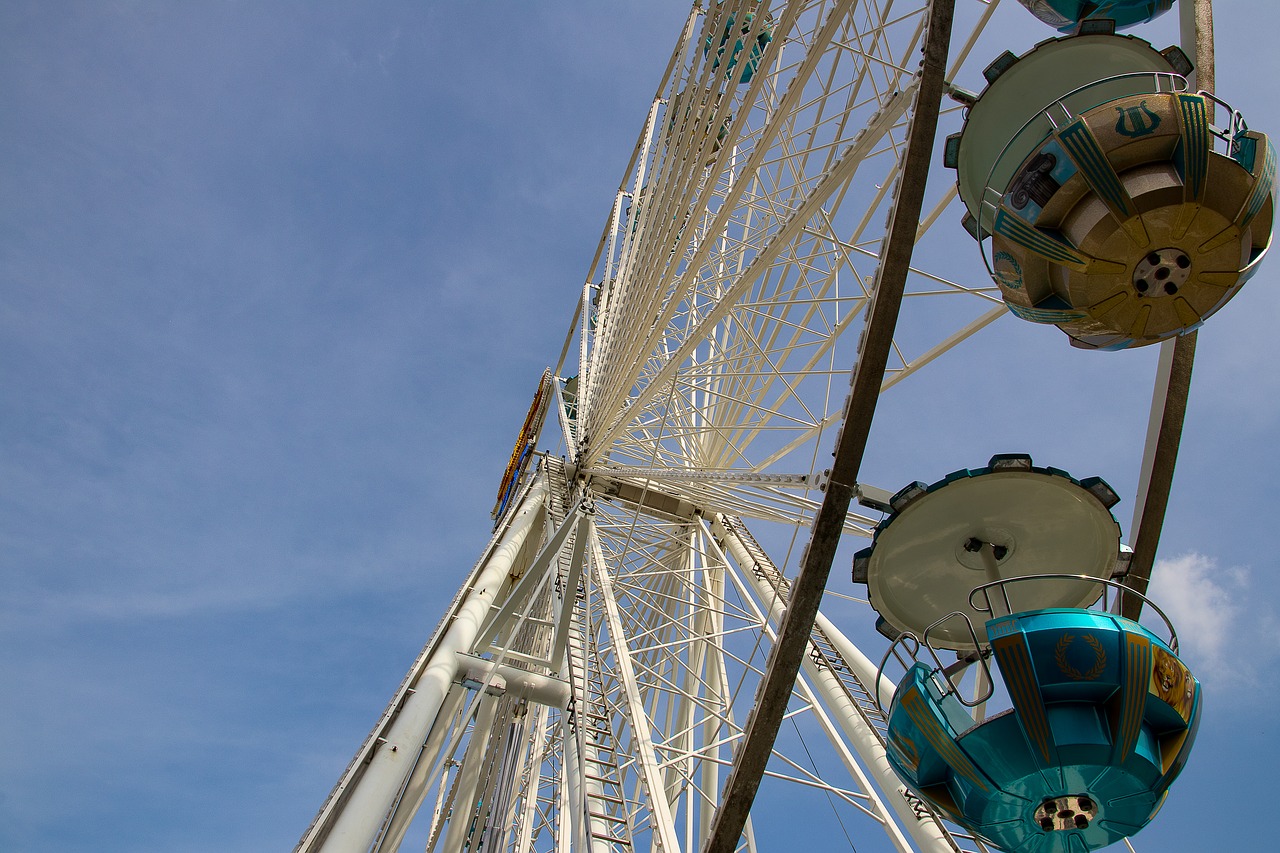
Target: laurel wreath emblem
1099, 663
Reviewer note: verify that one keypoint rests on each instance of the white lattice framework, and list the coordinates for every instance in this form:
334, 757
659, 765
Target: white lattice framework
588, 686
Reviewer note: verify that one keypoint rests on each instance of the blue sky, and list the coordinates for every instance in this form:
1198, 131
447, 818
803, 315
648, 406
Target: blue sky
277, 281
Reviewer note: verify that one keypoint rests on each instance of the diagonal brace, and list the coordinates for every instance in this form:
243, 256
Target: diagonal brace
785, 658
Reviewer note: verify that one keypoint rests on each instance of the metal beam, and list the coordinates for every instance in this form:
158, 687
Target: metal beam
857, 729
355, 814
661, 820
774, 691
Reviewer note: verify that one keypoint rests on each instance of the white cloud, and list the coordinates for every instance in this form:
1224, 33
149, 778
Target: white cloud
1227, 632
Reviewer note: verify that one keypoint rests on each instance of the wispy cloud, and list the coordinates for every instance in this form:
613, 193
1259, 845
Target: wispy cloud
1228, 634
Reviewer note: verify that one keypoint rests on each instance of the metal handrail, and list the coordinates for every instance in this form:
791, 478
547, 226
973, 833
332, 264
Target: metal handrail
946, 671
892, 650
1106, 582
980, 652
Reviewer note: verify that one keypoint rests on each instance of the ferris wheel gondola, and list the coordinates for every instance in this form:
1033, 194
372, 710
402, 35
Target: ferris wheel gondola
1003, 564
1112, 200
1102, 720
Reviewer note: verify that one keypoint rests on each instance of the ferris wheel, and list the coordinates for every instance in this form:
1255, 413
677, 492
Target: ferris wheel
637, 660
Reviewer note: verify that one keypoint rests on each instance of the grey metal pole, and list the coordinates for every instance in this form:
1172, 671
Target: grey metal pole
1197, 33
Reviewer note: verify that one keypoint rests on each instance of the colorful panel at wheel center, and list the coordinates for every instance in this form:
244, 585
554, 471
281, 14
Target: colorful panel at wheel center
525, 442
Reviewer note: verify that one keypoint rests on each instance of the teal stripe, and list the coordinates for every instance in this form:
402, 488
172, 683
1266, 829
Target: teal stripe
1261, 188
1015, 230
1085, 151
1195, 143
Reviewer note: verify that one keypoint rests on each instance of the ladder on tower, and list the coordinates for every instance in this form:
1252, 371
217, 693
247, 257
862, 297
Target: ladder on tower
590, 721
606, 816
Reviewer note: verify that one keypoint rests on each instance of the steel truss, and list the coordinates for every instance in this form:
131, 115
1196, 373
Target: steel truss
591, 681
600, 664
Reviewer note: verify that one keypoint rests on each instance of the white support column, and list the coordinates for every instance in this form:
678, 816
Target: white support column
571, 646
464, 800
527, 589
859, 735
437, 814
419, 782
690, 686
362, 815
863, 667
528, 814
571, 834
717, 683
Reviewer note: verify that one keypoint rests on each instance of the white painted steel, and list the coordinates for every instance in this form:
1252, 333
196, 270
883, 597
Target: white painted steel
716, 327
473, 763
519, 683
364, 812
727, 316
864, 740
416, 786
637, 717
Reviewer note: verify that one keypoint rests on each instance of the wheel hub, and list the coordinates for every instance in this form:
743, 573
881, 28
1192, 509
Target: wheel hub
1061, 813
1162, 273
